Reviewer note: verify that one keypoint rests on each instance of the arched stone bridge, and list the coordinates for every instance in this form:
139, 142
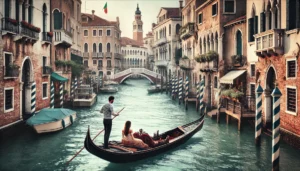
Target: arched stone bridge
150, 75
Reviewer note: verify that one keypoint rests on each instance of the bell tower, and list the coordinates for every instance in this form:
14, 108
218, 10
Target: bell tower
138, 26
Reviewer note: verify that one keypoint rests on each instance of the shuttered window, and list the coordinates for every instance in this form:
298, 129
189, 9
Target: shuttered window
85, 63
57, 20
291, 68
215, 9
262, 22
250, 29
291, 99
8, 99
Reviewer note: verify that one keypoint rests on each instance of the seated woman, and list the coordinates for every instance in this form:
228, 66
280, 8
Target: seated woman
148, 140
129, 140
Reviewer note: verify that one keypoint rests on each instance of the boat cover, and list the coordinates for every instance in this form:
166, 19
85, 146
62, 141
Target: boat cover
49, 115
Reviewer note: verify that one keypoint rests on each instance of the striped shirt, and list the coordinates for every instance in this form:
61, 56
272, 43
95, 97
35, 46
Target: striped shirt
107, 110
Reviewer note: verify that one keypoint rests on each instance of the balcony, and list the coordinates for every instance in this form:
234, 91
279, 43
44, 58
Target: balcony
47, 37
118, 56
162, 63
186, 64
269, 43
161, 41
100, 54
9, 26
100, 67
46, 70
108, 67
85, 54
62, 37
11, 71
108, 55
187, 31
94, 54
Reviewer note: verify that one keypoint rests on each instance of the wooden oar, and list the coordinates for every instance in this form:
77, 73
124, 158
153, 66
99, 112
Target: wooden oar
93, 139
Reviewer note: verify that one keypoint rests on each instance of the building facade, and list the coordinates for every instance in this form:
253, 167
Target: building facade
101, 45
26, 41
148, 43
138, 26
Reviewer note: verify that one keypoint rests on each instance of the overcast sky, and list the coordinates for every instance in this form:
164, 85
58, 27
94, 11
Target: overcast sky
125, 10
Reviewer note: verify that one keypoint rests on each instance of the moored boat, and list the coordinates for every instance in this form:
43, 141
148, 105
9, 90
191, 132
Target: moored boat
118, 153
51, 120
84, 96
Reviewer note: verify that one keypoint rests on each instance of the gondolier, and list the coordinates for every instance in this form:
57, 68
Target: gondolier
108, 111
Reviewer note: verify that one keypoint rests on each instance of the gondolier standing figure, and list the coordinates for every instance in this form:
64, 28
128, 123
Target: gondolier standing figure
108, 110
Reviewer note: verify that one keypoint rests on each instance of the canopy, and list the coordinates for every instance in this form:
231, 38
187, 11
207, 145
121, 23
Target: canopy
230, 76
57, 77
49, 115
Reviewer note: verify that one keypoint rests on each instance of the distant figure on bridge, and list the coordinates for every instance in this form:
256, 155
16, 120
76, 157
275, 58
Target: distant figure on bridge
108, 110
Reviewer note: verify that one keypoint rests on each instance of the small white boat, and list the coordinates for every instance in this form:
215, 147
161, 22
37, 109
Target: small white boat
84, 96
51, 120
109, 89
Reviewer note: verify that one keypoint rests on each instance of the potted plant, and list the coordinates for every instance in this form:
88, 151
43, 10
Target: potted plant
50, 34
12, 21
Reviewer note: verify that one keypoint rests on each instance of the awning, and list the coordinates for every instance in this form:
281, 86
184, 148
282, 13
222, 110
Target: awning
57, 77
76, 58
230, 76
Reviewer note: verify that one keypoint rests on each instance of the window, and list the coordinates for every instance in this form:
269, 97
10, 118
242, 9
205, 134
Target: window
291, 99
252, 70
86, 47
293, 15
85, 63
94, 33
100, 32
204, 80
169, 29
229, 6
57, 19
45, 96
252, 90
44, 18
9, 99
85, 33
7, 62
94, 62
108, 73
30, 11
215, 9
94, 47
100, 63
253, 26
200, 18
108, 63
108, 47
216, 82
291, 69
239, 43
100, 47
107, 32
7, 8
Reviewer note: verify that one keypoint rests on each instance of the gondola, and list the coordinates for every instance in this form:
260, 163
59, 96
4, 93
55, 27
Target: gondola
117, 153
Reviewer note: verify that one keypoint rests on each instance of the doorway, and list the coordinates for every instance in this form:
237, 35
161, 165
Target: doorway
26, 89
270, 85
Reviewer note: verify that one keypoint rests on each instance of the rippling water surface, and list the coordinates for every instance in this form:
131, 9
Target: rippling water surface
215, 147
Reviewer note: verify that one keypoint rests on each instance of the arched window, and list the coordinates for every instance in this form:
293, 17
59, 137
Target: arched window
170, 53
216, 42
44, 18
141, 53
94, 47
86, 47
169, 29
204, 46
108, 47
212, 42
200, 44
208, 43
16, 9
30, 11
7, 8
238, 43
57, 18
100, 47
276, 13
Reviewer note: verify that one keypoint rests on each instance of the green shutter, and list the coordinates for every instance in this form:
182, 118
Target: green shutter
262, 22
255, 25
238, 43
57, 20
250, 30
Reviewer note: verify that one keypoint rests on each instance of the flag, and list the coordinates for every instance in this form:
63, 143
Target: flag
105, 8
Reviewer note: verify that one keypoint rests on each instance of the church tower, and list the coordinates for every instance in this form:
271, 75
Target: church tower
138, 26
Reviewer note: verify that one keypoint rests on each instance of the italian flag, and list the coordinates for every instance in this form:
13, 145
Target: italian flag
105, 8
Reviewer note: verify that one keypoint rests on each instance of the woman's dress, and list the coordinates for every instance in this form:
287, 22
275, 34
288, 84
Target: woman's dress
129, 140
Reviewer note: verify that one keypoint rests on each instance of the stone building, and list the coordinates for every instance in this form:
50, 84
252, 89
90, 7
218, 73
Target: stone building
273, 52
148, 43
101, 45
138, 26
166, 40
25, 72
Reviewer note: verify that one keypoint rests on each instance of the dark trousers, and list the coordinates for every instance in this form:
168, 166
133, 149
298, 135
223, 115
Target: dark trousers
107, 128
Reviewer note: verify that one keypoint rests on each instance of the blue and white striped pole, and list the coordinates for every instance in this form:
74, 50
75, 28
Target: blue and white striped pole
72, 90
100, 81
52, 95
173, 87
33, 97
258, 115
276, 129
61, 91
198, 96
80, 81
201, 97
220, 103
186, 92
75, 86
180, 91
176, 87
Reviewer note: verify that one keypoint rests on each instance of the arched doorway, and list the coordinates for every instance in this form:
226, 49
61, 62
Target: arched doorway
26, 88
270, 85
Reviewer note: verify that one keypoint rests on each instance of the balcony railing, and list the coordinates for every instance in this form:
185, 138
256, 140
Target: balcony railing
187, 30
46, 37
29, 33
269, 42
85, 54
9, 25
94, 54
11, 72
62, 37
108, 54
161, 41
100, 54
47, 70
186, 64
162, 63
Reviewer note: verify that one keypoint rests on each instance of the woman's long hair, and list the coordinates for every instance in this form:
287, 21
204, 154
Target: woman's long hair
127, 127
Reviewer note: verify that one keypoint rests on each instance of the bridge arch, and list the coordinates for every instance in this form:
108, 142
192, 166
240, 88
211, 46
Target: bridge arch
143, 75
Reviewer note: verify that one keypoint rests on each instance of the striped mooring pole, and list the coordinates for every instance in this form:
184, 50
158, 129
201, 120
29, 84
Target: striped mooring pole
80, 81
100, 81
72, 89
173, 87
258, 115
180, 91
170, 85
198, 96
33, 97
186, 92
176, 87
220, 103
52, 95
201, 96
276, 128
75, 84
61, 95
97, 83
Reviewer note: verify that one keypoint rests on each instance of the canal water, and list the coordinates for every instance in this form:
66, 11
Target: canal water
215, 147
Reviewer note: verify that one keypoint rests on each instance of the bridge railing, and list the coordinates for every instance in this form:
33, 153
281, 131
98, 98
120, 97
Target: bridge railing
137, 71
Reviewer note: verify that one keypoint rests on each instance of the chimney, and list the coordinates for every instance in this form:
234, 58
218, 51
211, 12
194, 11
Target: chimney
93, 14
180, 7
